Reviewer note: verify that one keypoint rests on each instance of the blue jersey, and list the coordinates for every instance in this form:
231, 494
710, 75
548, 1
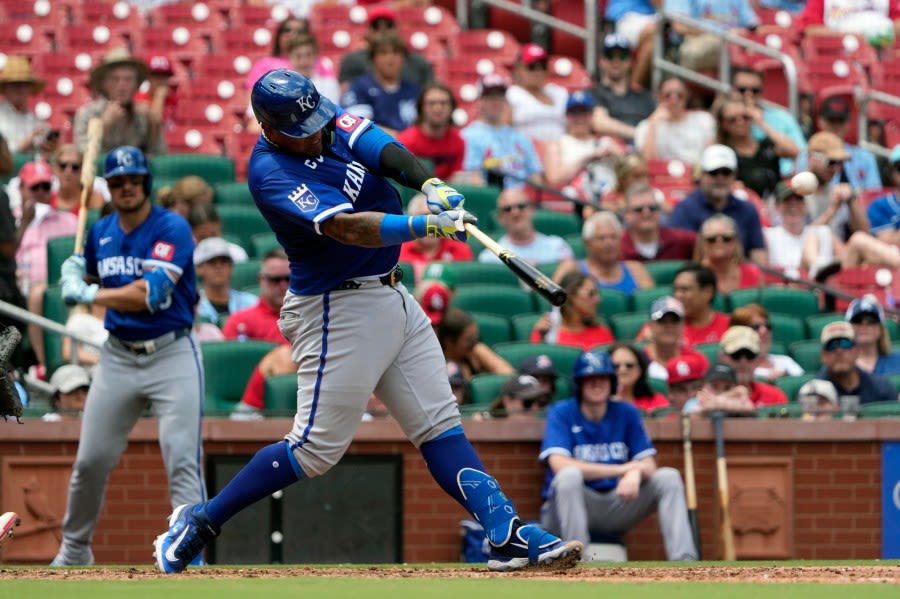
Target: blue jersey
620, 437
297, 195
163, 241
394, 109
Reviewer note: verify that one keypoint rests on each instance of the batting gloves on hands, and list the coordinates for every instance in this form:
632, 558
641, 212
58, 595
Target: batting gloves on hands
440, 197
74, 266
449, 224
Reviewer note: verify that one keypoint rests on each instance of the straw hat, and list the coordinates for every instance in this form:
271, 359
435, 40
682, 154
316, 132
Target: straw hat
18, 70
118, 57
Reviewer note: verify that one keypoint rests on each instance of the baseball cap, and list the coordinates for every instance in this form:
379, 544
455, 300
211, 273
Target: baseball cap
35, 172
69, 377
435, 298
721, 372
160, 64
666, 305
532, 53
895, 154
613, 41
381, 12
540, 365
212, 247
826, 142
580, 99
718, 156
491, 82
835, 108
783, 191
866, 304
442, 272
522, 386
818, 388
455, 375
840, 329
739, 337
687, 367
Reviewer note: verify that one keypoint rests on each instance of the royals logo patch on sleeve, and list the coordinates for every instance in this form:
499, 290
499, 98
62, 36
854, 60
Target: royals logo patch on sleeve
304, 199
163, 251
348, 122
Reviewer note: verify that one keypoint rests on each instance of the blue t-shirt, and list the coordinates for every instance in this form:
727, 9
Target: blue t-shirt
872, 387
723, 13
618, 438
237, 300
296, 195
784, 122
392, 109
887, 365
502, 149
691, 212
616, 9
162, 242
884, 214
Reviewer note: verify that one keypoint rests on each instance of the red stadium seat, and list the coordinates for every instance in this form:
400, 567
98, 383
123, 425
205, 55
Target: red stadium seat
25, 40
108, 13
846, 46
847, 92
198, 17
184, 140
665, 172
569, 73
209, 117
93, 39
564, 43
486, 42
179, 43
252, 16
252, 43
436, 22
239, 147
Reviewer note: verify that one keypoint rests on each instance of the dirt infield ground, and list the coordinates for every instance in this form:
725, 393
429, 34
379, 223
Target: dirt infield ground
835, 574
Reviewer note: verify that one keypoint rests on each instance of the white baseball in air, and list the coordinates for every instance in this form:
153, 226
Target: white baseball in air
340, 38
193, 138
181, 35
121, 10
883, 277
42, 8
804, 183
495, 40
262, 37
418, 40
242, 64
42, 110
24, 33
64, 87
200, 12
83, 61
277, 537
101, 34
214, 113
225, 89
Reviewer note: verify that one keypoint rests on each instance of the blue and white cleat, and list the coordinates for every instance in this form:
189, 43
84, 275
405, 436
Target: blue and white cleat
532, 547
180, 546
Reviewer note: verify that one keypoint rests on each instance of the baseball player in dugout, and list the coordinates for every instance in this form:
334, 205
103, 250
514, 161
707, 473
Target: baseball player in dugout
319, 176
138, 263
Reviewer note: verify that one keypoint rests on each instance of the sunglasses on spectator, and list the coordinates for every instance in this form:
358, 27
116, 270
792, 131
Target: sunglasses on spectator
40, 187
588, 293
753, 90
537, 66
738, 118
650, 207
834, 344
760, 325
625, 365
75, 166
724, 238
511, 207
833, 163
725, 172
743, 354
119, 182
866, 319
277, 278
619, 53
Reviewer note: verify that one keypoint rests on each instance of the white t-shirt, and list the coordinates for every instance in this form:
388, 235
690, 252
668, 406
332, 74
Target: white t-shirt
598, 177
535, 119
785, 364
681, 140
786, 249
545, 249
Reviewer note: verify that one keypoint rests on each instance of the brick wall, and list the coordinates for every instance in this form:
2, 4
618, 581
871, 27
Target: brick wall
836, 476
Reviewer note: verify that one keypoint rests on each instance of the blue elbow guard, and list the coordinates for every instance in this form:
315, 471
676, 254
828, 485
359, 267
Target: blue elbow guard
159, 289
398, 228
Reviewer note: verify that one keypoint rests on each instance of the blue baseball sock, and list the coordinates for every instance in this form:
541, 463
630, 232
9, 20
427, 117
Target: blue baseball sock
458, 470
271, 469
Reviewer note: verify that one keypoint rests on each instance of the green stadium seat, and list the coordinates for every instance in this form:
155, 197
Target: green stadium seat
228, 366
659, 386
477, 273
485, 388
493, 299
642, 299
262, 243
895, 381
626, 326
787, 329
720, 303
523, 323
481, 200
807, 354
58, 249
280, 395
563, 356
880, 409
56, 310
211, 168
791, 384
893, 329
612, 302
19, 159
242, 222
550, 222
409, 275
709, 350
493, 328
246, 274
577, 244
406, 194
785, 300
232, 192
743, 297
816, 322
663, 271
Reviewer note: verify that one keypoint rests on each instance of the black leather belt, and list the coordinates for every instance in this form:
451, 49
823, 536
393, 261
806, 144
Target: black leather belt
391, 280
151, 346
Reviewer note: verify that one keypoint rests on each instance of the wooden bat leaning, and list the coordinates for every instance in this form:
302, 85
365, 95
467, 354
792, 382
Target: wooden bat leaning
690, 484
91, 151
537, 280
724, 499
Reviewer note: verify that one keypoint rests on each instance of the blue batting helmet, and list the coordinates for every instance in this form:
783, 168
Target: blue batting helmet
289, 102
592, 363
128, 160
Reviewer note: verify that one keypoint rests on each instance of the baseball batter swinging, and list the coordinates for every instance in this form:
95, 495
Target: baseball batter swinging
319, 176
142, 257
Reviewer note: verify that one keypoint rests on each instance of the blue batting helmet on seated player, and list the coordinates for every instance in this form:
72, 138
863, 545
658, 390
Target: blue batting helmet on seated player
128, 160
592, 363
289, 103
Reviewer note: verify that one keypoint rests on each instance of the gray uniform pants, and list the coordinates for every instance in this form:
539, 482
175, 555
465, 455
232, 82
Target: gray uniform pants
574, 510
171, 381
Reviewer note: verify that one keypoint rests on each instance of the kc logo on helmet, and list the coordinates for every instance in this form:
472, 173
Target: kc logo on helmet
306, 102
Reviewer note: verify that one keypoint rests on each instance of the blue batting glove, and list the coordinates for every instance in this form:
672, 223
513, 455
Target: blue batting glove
74, 266
449, 224
440, 197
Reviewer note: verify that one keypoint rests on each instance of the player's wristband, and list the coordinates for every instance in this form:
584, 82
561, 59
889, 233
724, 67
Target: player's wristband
398, 228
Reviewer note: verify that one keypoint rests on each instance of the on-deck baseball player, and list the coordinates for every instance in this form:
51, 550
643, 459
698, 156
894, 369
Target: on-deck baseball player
142, 256
319, 176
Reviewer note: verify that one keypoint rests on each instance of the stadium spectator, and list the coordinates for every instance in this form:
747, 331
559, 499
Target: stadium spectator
579, 157
435, 291
620, 107
459, 337
747, 86
771, 366
19, 125
719, 249
602, 235
458, 384
629, 169
276, 362
187, 192
303, 55
695, 287
382, 95
66, 162
577, 323
721, 393
672, 132
718, 166
541, 368
496, 153
116, 81
161, 96
518, 398
872, 338
839, 355
215, 265
277, 58
818, 399
537, 108
685, 376
421, 252
434, 136
757, 158
632, 386
884, 213
879, 22
69, 384
261, 321
700, 50
205, 222
515, 214
740, 348
664, 335
382, 18
644, 239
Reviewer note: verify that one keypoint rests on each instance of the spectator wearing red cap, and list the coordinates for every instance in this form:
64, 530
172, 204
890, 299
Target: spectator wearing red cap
685, 378
161, 96
538, 108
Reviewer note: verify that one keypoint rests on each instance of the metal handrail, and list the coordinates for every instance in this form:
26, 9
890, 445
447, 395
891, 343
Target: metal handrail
588, 34
863, 97
23, 315
660, 64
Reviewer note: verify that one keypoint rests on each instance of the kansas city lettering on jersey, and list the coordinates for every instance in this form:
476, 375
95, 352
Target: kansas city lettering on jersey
353, 180
116, 266
602, 452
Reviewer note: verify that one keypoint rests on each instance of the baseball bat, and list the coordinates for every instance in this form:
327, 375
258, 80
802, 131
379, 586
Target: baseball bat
91, 151
728, 552
690, 484
537, 280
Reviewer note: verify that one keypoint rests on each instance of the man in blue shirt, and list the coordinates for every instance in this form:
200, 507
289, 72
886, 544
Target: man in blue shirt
839, 354
700, 50
601, 470
884, 213
719, 168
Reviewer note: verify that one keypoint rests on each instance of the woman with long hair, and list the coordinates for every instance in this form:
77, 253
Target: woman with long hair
66, 162
631, 373
673, 132
459, 337
578, 324
719, 247
872, 337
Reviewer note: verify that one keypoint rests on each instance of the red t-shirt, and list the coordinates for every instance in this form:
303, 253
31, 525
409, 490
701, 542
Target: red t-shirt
586, 339
674, 244
710, 333
445, 152
751, 276
448, 251
763, 394
657, 401
259, 322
